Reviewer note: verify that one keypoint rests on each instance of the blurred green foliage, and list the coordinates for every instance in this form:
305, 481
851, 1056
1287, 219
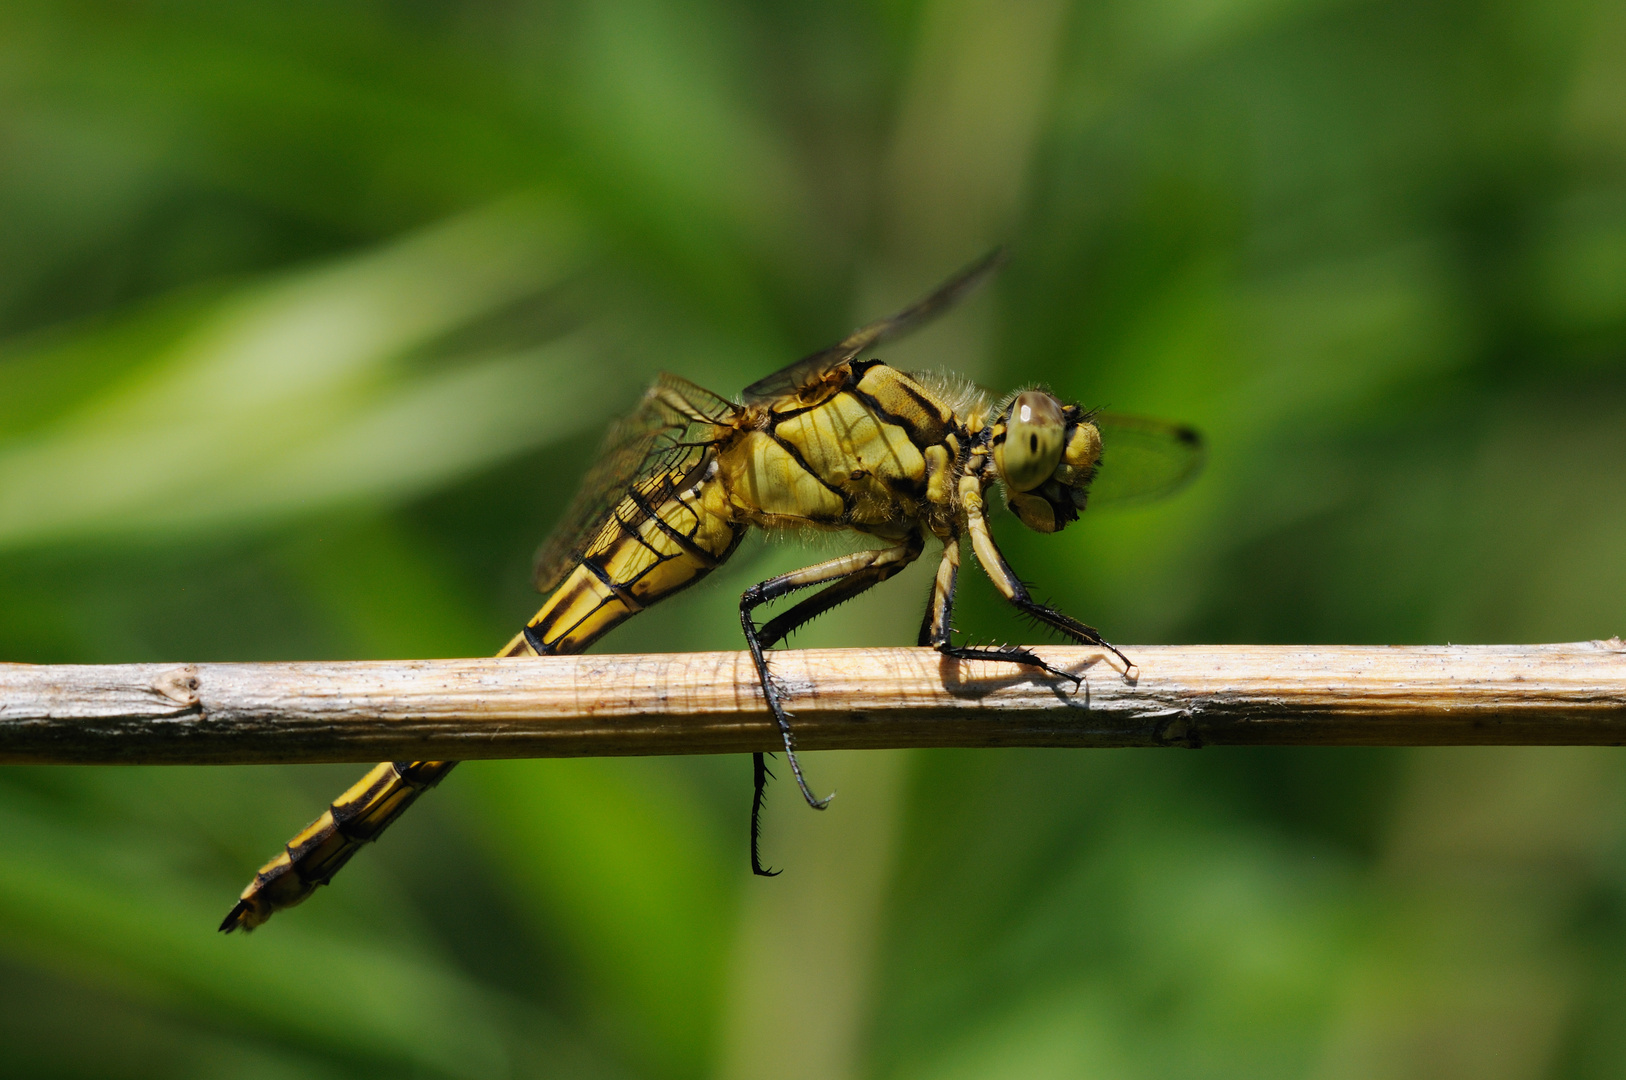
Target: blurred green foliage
309, 317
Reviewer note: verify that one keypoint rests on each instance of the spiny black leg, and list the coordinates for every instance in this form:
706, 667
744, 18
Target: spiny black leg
759, 778
1010, 654
848, 576
1081, 632
937, 631
770, 693
781, 626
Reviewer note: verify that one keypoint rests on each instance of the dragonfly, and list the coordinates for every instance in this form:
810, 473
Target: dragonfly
838, 441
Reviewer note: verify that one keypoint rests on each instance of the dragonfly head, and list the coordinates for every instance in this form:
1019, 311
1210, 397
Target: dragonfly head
1046, 454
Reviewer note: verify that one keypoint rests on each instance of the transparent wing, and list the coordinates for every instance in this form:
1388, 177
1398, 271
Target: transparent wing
788, 380
1143, 459
669, 431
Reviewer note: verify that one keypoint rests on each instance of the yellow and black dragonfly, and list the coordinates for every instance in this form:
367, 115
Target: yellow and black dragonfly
835, 441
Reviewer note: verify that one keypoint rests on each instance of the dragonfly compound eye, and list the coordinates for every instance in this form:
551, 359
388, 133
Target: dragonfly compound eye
1034, 440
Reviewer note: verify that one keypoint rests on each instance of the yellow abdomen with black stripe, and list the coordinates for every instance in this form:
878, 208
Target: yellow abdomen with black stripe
668, 533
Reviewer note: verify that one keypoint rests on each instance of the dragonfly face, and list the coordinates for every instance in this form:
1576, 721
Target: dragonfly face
835, 441
1046, 454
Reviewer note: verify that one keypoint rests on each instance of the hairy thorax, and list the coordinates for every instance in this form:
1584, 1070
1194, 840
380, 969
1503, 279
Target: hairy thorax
871, 450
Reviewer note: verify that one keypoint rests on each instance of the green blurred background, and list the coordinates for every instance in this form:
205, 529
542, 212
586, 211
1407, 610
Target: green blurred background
311, 313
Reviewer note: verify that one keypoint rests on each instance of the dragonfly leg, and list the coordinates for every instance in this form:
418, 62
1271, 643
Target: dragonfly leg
937, 631
849, 575
759, 788
852, 574
1016, 592
1008, 654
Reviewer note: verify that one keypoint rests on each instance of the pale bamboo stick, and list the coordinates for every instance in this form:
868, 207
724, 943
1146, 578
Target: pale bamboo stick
694, 703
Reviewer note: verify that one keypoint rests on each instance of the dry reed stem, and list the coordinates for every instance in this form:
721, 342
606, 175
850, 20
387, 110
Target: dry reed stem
701, 703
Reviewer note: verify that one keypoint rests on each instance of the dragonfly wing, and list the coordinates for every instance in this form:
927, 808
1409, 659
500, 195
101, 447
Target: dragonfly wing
1143, 459
668, 431
809, 369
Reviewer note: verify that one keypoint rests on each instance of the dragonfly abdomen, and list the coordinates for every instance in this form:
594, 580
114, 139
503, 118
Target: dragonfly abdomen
322, 848
668, 533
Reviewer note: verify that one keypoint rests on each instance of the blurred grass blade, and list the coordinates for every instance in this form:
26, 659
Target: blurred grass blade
71, 900
288, 396
614, 859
